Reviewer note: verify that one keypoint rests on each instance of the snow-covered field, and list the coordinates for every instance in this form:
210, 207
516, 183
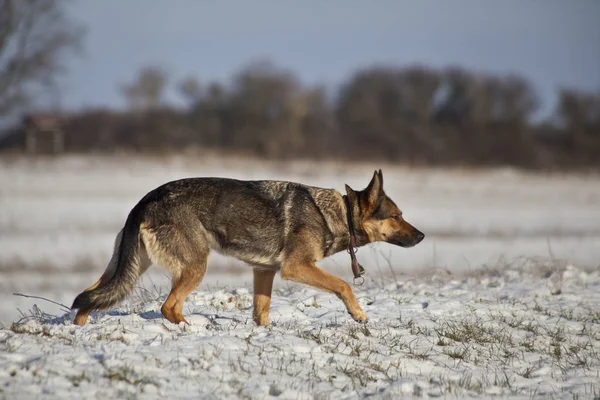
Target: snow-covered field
524, 332
501, 298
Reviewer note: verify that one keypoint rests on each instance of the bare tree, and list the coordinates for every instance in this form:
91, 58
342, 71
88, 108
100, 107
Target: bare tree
459, 87
517, 100
369, 112
268, 108
35, 35
420, 85
579, 115
190, 89
146, 91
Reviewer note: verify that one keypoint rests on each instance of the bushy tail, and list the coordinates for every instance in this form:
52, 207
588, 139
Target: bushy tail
127, 271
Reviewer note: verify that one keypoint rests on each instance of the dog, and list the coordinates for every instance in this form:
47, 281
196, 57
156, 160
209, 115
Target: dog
271, 225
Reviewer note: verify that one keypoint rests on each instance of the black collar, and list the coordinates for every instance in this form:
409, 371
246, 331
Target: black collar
357, 269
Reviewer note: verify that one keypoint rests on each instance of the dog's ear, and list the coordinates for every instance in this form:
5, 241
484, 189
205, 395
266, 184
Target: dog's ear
350, 193
375, 187
381, 178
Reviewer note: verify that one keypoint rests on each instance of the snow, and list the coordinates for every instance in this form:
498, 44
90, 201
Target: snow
481, 335
500, 299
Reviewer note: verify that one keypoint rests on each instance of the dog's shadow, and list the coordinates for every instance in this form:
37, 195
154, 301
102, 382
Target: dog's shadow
213, 319
147, 315
114, 313
150, 315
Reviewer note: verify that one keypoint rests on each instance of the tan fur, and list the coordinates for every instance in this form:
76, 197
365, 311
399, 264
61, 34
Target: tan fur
263, 285
380, 230
300, 267
188, 279
187, 268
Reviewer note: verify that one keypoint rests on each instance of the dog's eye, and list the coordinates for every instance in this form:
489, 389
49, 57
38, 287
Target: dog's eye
396, 217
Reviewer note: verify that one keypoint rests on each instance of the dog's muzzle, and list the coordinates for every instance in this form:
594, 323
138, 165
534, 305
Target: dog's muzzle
403, 240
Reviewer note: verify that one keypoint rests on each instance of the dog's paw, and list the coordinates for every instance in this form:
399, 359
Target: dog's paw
261, 320
360, 316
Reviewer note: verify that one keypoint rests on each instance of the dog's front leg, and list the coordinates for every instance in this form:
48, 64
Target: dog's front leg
263, 285
310, 274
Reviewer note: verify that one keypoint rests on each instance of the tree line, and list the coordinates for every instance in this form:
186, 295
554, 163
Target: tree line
412, 114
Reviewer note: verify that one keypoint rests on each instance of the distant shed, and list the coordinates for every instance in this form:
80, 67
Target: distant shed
44, 133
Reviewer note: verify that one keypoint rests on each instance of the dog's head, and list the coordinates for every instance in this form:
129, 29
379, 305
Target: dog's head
379, 217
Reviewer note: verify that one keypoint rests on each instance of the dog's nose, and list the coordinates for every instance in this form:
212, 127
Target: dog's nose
420, 236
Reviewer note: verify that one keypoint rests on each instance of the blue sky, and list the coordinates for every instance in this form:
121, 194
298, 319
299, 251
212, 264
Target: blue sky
552, 43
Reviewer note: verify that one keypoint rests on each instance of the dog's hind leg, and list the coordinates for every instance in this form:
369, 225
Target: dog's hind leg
184, 253
189, 278
263, 285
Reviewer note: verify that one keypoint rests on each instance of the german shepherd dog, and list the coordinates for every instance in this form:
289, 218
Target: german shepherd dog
271, 225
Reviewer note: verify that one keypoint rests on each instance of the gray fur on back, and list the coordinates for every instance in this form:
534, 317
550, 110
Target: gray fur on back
250, 220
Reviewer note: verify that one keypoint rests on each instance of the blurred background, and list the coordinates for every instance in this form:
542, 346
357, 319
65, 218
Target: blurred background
485, 117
